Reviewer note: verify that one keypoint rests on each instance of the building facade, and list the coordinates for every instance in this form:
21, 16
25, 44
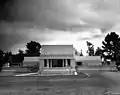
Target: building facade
57, 59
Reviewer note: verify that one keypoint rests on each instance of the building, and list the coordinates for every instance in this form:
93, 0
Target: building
89, 60
30, 61
57, 59
60, 60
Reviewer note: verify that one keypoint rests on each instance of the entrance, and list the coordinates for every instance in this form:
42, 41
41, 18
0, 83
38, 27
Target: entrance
57, 63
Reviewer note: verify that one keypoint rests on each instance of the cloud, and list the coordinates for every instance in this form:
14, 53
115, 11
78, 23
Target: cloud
10, 36
56, 21
89, 34
115, 28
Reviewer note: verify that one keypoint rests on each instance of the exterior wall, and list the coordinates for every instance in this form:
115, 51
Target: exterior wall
72, 61
89, 60
82, 58
30, 61
25, 64
43, 71
41, 65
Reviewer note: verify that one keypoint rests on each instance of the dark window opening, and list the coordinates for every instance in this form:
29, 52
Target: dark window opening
57, 63
68, 60
45, 63
79, 63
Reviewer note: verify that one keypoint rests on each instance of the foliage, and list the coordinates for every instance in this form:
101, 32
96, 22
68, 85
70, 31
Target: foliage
21, 55
81, 54
17, 59
111, 46
1, 54
98, 51
20, 52
7, 56
4, 58
76, 53
34, 68
33, 48
90, 50
1, 59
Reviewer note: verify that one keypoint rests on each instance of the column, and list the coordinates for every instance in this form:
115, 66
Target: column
51, 63
63, 64
66, 62
47, 63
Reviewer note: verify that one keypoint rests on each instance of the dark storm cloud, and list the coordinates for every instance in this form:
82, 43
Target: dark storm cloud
9, 36
5, 6
17, 17
17, 14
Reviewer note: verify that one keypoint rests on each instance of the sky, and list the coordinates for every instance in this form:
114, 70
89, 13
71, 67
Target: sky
57, 22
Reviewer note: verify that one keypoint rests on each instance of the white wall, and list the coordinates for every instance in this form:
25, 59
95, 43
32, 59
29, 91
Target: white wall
31, 59
72, 63
88, 60
41, 64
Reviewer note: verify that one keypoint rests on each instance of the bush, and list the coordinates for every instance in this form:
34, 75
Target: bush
33, 68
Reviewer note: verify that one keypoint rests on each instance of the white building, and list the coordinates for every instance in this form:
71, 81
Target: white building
57, 59
89, 60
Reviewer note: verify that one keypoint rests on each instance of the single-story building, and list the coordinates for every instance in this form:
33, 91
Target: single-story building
57, 59
30, 61
88, 60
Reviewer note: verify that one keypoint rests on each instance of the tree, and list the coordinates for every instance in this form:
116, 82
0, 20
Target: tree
4, 58
20, 57
90, 50
98, 51
81, 54
111, 46
33, 48
1, 54
20, 52
76, 53
7, 57
1, 59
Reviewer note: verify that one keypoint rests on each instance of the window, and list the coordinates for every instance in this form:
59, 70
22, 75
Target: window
79, 63
45, 63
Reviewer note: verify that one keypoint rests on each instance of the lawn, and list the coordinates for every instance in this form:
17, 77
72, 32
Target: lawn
55, 85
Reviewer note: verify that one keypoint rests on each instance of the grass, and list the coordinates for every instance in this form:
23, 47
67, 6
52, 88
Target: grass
96, 84
55, 85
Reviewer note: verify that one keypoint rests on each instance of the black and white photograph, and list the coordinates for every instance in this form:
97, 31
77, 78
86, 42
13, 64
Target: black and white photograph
59, 47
